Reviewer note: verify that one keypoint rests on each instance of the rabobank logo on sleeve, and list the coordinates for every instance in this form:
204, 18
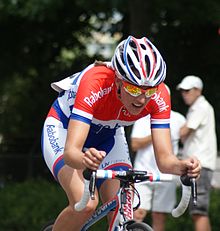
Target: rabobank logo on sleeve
90, 100
160, 102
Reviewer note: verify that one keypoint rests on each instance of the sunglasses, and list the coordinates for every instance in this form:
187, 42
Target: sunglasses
136, 91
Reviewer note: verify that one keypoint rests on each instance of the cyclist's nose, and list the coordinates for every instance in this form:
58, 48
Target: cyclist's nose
142, 99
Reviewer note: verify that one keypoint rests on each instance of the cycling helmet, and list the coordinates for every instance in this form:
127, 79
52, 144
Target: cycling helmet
139, 62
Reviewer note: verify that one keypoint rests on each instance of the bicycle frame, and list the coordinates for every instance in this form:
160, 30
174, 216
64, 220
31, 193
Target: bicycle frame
121, 204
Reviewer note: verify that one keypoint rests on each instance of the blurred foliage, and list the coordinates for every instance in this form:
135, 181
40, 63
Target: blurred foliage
41, 41
27, 206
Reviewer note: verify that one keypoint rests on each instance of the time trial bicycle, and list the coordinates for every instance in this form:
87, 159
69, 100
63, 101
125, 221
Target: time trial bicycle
122, 203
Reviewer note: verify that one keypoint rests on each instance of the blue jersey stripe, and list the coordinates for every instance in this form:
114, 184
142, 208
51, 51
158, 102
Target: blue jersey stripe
80, 118
160, 125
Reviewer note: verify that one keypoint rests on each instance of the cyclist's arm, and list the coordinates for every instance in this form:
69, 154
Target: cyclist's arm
139, 143
73, 154
76, 136
167, 161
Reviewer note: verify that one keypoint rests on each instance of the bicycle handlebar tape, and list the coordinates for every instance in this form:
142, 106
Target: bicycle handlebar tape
87, 173
79, 206
184, 202
185, 180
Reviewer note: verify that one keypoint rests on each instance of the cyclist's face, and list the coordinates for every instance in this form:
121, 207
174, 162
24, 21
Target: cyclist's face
134, 104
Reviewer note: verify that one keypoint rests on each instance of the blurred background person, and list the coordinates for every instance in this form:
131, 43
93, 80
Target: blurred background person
199, 139
159, 197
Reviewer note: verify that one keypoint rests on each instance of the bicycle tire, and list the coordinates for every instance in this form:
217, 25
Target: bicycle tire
138, 226
48, 226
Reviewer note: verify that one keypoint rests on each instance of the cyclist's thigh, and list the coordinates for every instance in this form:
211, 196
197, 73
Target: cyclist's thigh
53, 141
164, 197
118, 157
145, 191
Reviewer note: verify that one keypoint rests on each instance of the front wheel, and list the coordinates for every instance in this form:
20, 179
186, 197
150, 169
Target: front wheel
48, 226
138, 226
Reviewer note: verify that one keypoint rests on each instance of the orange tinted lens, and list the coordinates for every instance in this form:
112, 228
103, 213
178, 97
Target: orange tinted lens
149, 92
136, 91
132, 90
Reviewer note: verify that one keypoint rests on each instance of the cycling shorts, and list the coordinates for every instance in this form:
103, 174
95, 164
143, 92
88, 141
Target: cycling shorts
54, 138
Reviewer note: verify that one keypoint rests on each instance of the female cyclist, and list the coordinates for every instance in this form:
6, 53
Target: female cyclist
84, 127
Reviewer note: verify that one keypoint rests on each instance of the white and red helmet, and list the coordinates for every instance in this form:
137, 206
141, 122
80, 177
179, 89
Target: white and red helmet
139, 62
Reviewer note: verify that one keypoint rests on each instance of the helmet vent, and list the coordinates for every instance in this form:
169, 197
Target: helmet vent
143, 46
147, 61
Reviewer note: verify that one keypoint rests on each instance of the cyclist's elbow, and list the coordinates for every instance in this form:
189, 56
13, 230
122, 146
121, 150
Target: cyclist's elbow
72, 159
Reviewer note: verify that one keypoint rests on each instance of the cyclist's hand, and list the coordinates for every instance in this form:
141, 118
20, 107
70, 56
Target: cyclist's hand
92, 158
193, 167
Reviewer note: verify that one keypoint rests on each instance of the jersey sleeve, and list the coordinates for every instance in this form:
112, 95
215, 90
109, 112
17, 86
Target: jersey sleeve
93, 87
160, 108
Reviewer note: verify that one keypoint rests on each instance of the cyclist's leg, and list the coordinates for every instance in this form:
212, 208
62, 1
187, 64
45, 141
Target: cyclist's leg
53, 141
72, 183
107, 191
117, 159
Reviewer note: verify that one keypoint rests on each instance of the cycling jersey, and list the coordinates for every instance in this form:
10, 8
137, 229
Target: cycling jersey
91, 97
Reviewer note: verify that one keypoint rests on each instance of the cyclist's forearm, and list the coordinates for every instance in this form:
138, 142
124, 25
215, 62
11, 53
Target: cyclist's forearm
171, 164
74, 159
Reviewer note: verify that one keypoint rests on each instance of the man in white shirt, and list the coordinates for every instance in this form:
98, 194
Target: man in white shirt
160, 198
199, 138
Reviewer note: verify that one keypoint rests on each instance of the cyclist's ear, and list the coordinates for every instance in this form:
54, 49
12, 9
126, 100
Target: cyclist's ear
119, 91
118, 86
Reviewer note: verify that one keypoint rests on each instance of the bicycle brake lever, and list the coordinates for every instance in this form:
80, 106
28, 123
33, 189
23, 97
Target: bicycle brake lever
194, 191
90, 175
92, 185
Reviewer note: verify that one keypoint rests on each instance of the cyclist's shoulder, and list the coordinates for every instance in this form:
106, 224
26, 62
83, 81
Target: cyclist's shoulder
98, 73
160, 101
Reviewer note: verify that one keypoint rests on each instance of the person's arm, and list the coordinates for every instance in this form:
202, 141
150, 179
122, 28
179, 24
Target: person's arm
139, 143
184, 133
73, 155
166, 160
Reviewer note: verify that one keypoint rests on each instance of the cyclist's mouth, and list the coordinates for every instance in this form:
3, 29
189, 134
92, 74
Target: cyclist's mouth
137, 105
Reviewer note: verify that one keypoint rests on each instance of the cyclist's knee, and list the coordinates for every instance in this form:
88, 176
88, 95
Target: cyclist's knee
90, 207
